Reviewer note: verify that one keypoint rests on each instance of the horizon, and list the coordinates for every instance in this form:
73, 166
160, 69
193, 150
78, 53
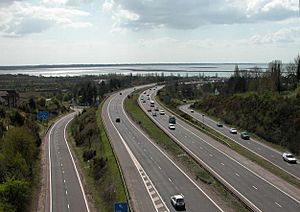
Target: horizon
57, 32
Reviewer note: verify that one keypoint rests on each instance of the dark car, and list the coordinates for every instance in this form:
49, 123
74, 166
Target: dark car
120, 93
118, 120
245, 136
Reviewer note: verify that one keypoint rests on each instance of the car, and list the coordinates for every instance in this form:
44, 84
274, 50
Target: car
147, 94
144, 101
219, 124
149, 109
118, 120
120, 93
153, 113
156, 108
144, 92
142, 97
245, 136
178, 201
233, 131
162, 112
192, 111
148, 97
171, 126
288, 157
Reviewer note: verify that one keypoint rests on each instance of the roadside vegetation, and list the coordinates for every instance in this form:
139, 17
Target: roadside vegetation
97, 161
20, 140
177, 153
231, 144
265, 103
21, 133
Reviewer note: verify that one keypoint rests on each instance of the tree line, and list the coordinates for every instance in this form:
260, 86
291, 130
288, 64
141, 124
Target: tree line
266, 103
20, 140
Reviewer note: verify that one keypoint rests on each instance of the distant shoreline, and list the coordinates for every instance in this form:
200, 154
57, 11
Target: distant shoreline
20, 67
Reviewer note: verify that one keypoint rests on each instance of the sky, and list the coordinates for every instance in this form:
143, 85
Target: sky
148, 31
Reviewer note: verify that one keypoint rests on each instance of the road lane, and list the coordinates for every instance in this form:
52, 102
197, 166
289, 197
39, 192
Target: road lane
65, 190
270, 154
240, 178
166, 177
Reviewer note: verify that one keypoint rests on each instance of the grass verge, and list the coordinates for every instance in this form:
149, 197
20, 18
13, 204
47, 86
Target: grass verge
103, 193
233, 145
178, 154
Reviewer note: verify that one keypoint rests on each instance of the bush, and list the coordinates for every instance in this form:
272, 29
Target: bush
88, 154
14, 195
273, 117
99, 165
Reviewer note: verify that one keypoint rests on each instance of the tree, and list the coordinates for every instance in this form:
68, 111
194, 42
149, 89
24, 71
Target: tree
14, 195
18, 148
275, 69
297, 63
16, 118
32, 104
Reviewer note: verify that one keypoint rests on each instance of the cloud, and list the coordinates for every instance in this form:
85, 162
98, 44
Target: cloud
22, 18
189, 14
286, 35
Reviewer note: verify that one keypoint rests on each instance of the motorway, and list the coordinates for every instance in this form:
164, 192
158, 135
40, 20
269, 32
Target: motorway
262, 150
150, 175
254, 190
65, 188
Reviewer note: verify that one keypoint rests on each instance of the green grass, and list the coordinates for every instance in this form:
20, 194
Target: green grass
233, 145
115, 174
111, 179
178, 154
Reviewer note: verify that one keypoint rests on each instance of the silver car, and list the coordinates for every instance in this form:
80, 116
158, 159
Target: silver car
288, 157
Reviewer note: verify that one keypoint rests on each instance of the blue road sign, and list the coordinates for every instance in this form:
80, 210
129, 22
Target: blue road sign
121, 207
42, 115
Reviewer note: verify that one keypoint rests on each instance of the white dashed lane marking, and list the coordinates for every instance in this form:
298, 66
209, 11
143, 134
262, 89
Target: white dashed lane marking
278, 204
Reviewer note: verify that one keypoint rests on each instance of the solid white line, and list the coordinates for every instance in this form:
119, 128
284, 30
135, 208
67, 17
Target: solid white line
296, 200
78, 177
50, 162
233, 160
222, 164
202, 162
237, 174
256, 142
155, 145
50, 167
255, 187
239, 164
135, 161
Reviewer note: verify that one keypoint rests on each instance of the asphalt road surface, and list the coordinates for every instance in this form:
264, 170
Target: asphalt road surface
256, 192
151, 176
65, 189
266, 152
